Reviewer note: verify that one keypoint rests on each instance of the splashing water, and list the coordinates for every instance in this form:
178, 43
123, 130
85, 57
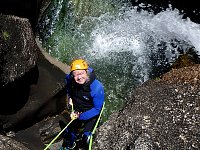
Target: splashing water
124, 47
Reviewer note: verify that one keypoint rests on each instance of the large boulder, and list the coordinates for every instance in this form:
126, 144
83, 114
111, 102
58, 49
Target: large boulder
161, 114
31, 87
18, 53
18, 49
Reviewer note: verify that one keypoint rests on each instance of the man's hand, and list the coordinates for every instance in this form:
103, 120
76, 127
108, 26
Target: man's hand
74, 115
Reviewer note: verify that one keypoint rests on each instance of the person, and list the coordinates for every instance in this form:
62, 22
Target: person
86, 97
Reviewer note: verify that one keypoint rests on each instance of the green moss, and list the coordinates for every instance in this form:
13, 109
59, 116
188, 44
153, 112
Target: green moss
5, 35
157, 78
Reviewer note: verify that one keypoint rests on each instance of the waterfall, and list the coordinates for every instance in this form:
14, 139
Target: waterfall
124, 46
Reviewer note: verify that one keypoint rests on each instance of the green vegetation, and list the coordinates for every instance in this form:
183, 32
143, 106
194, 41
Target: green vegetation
5, 35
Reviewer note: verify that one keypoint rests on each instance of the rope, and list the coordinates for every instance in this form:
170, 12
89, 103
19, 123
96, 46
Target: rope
72, 109
93, 131
58, 135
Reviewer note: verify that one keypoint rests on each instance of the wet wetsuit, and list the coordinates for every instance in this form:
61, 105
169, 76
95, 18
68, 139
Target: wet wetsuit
87, 99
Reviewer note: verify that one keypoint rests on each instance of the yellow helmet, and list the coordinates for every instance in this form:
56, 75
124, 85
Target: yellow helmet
79, 64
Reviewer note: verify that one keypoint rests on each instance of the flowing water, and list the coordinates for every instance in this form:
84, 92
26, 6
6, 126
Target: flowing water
124, 46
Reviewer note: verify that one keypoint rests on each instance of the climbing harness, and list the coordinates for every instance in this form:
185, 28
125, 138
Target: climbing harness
72, 119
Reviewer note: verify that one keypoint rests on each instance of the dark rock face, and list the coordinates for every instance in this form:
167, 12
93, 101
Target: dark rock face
18, 54
17, 50
31, 87
16, 46
159, 115
28, 9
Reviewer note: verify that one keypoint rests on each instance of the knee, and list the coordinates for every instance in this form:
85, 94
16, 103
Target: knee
86, 137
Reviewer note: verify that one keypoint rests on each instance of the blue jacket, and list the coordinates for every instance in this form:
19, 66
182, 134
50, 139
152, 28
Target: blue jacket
88, 98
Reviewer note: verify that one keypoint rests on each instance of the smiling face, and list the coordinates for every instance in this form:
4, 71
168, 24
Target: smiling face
80, 76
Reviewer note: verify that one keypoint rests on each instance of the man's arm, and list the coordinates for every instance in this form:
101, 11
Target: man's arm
98, 99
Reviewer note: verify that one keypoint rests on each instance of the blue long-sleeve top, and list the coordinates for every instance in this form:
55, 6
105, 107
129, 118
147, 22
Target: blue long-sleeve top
92, 102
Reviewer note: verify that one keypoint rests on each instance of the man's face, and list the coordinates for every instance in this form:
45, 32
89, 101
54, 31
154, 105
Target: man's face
80, 76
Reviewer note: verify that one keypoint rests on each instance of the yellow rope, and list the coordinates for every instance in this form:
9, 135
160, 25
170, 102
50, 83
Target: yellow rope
61, 130
90, 143
58, 135
93, 131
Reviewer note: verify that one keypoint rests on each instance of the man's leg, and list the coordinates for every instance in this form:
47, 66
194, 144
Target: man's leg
69, 135
87, 132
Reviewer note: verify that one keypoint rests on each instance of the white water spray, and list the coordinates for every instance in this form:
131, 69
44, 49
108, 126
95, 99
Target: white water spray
123, 47
128, 43
135, 32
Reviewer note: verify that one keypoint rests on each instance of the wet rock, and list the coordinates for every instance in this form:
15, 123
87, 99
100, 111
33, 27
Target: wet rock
189, 58
160, 114
18, 53
188, 75
38, 136
31, 87
7, 143
17, 49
